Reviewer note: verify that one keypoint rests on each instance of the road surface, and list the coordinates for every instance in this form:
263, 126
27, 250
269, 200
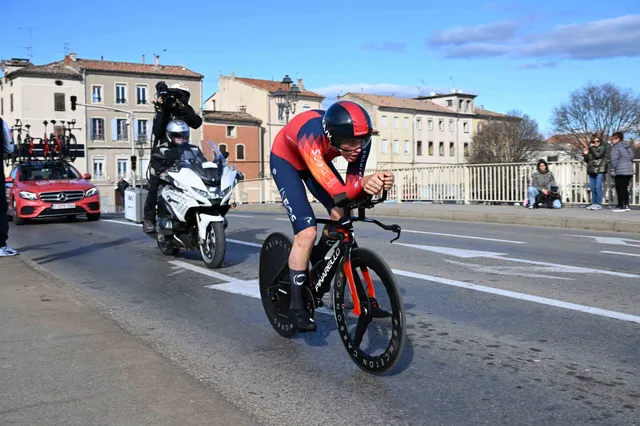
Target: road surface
507, 324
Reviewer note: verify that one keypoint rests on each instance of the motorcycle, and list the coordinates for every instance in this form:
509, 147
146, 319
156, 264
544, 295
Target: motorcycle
192, 203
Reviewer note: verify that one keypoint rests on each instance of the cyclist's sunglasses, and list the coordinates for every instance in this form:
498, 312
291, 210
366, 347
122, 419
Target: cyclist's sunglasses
352, 145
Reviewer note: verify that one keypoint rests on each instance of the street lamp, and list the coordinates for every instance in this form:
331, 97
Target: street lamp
286, 97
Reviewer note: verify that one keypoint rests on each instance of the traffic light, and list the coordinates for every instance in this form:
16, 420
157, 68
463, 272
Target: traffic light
134, 163
74, 99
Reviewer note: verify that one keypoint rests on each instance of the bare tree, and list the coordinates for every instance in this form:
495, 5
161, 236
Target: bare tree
597, 109
514, 139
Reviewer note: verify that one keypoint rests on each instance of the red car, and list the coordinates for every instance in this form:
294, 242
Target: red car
41, 189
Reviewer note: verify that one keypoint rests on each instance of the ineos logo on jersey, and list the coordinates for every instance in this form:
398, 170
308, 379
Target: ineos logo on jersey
319, 160
287, 206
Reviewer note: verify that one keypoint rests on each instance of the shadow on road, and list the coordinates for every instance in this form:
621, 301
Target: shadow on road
90, 248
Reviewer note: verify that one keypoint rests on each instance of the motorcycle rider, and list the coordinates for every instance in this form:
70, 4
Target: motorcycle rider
172, 104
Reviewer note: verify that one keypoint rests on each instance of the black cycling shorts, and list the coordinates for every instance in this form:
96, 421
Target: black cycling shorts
294, 196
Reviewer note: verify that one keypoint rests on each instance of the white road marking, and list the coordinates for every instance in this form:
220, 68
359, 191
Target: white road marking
500, 256
245, 243
464, 236
121, 222
241, 285
523, 271
609, 240
238, 215
620, 253
281, 218
522, 296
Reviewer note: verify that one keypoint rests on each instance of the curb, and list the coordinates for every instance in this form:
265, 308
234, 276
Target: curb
497, 218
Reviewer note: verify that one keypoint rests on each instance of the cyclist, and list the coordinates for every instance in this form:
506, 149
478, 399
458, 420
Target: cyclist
302, 152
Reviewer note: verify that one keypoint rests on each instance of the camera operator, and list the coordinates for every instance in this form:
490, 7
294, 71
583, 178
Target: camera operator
172, 104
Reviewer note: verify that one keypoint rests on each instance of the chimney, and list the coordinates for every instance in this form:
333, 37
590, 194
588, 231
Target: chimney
300, 84
233, 74
73, 56
67, 61
157, 60
102, 57
243, 108
143, 59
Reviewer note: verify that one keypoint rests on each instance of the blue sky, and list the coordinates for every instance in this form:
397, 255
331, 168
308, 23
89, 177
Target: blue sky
513, 54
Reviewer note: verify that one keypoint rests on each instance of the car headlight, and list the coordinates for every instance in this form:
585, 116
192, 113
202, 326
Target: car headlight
90, 192
28, 195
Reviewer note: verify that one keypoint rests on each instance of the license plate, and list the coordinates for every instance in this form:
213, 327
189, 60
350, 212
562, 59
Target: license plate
63, 206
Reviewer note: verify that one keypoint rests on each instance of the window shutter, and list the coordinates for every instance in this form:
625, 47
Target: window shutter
91, 129
135, 130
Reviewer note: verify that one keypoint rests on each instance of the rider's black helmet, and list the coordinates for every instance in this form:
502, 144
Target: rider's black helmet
347, 120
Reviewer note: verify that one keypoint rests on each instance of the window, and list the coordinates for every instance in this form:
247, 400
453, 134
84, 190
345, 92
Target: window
383, 146
142, 95
430, 148
97, 129
468, 106
419, 148
97, 94
98, 168
222, 147
449, 103
406, 122
395, 122
419, 124
441, 150
396, 146
451, 125
384, 121
121, 126
460, 103
58, 101
121, 93
140, 130
306, 107
430, 125
441, 125
466, 149
123, 167
231, 131
552, 158
406, 147
452, 149
240, 152
479, 127
465, 126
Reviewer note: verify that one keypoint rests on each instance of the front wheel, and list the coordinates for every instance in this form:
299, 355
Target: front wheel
214, 247
16, 216
377, 310
92, 217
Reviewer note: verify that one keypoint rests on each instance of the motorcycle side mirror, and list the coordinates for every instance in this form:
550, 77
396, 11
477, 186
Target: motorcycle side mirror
225, 154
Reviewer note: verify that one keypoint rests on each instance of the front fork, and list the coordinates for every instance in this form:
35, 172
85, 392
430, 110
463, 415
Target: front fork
357, 292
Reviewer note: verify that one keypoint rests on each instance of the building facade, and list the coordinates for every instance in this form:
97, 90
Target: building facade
237, 133
255, 97
110, 91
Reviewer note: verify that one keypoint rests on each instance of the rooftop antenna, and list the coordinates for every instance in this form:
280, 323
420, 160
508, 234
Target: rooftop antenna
453, 85
30, 46
66, 49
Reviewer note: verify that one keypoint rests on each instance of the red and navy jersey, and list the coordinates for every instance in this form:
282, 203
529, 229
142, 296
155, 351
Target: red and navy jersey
303, 143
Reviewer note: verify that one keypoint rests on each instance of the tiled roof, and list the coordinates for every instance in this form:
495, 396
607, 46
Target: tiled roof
135, 68
53, 69
564, 139
481, 111
213, 116
76, 67
407, 103
272, 86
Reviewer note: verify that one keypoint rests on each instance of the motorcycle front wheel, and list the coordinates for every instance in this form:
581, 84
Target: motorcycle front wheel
214, 247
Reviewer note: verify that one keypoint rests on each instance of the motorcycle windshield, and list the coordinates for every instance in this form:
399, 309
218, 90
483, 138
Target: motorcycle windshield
206, 161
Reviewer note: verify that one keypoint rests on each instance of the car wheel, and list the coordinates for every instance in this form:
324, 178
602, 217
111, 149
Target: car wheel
16, 217
91, 217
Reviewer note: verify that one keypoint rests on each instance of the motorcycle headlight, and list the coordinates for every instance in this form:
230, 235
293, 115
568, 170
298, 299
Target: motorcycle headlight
217, 192
201, 193
28, 195
90, 192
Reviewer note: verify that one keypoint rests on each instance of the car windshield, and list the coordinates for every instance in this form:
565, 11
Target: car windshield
209, 165
47, 171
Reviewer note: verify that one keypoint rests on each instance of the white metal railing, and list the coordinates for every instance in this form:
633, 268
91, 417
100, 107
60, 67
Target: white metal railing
466, 184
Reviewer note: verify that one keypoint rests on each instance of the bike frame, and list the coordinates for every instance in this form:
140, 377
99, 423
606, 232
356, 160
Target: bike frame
344, 232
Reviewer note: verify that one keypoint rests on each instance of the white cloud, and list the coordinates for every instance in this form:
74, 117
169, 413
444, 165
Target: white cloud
607, 38
333, 91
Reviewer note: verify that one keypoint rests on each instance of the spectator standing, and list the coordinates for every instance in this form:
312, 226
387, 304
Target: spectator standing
621, 169
596, 158
6, 147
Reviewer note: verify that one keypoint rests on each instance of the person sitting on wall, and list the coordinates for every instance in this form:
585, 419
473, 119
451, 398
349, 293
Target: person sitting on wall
542, 188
